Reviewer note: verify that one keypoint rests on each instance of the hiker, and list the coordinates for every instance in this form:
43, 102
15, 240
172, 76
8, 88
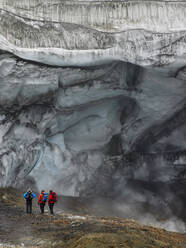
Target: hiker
42, 199
52, 199
29, 195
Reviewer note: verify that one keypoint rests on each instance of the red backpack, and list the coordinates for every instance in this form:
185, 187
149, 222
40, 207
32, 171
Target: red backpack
54, 197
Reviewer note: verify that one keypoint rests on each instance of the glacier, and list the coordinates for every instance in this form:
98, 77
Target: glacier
92, 98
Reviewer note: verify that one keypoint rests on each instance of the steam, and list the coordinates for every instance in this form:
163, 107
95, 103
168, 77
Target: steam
151, 193
172, 223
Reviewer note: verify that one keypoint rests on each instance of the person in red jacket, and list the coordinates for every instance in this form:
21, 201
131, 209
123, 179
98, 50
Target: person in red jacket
52, 199
42, 199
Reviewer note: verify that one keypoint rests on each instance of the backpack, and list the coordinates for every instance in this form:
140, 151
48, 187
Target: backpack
54, 197
44, 197
29, 196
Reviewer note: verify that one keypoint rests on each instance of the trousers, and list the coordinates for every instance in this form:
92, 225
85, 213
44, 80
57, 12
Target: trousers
51, 206
29, 207
42, 207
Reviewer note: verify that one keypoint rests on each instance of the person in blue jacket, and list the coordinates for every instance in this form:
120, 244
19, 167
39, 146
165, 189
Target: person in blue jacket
29, 195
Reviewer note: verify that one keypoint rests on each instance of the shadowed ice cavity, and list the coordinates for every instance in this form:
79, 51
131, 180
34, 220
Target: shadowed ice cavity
76, 111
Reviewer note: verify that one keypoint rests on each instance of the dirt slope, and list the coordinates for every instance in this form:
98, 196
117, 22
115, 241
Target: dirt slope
67, 229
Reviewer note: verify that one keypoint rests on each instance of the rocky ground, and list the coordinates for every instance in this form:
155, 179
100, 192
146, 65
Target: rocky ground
73, 226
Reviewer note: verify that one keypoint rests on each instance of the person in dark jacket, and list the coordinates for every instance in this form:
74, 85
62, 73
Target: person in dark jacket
52, 199
29, 196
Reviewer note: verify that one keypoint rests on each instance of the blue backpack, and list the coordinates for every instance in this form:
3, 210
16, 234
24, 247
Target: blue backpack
45, 197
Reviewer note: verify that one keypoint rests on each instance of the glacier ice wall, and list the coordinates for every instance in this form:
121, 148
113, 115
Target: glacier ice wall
92, 97
104, 15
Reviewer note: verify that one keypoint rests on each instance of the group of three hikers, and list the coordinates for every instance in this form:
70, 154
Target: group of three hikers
51, 198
